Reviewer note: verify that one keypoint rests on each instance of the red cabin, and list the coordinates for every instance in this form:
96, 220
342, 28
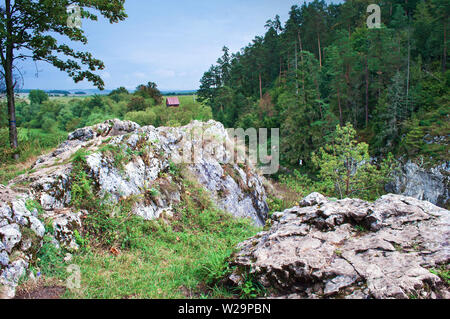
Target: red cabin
172, 102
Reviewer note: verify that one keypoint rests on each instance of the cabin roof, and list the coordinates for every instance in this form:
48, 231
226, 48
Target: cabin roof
173, 101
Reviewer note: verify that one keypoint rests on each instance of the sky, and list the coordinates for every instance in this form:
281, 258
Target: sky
170, 42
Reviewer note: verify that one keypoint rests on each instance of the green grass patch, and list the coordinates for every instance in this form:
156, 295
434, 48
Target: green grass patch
124, 256
443, 273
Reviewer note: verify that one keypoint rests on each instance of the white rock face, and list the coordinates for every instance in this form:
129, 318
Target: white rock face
20, 229
11, 236
351, 248
124, 160
146, 157
425, 184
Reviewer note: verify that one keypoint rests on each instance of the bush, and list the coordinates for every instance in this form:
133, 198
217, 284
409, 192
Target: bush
143, 118
345, 164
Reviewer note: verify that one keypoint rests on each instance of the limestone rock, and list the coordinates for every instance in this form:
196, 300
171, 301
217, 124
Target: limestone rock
10, 236
124, 161
425, 184
147, 155
64, 225
350, 248
20, 230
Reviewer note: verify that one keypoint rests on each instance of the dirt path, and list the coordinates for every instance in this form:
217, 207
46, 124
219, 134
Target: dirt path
42, 293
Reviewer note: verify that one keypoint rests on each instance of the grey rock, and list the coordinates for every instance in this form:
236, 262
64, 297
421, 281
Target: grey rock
313, 199
10, 236
238, 190
316, 250
5, 212
64, 225
20, 212
425, 184
146, 166
16, 246
9, 278
4, 258
37, 226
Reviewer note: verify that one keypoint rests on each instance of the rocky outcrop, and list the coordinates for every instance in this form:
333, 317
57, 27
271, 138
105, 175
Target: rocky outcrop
127, 160
123, 161
425, 184
350, 249
21, 233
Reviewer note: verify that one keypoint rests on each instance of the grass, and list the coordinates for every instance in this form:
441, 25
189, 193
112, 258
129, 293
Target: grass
443, 273
124, 256
165, 260
32, 144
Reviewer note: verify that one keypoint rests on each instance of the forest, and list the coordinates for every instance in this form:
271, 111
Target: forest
325, 67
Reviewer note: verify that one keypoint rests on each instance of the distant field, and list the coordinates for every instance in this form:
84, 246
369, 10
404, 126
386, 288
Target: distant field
183, 98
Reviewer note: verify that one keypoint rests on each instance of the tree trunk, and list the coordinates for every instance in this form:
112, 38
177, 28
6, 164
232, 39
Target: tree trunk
301, 59
444, 63
347, 180
409, 67
296, 69
367, 92
281, 71
260, 86
320, 50
301, 45
340, 107
9, 83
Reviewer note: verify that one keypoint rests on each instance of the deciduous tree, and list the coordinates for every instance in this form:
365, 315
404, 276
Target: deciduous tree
27, 31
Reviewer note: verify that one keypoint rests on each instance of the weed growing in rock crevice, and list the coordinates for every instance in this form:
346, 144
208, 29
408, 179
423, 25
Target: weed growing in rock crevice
161, 258
124, 255
107, 222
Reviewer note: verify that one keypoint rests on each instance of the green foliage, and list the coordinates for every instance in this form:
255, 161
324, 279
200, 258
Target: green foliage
303, 185
344, 165
34, 204
324, 66
143, 118
80, 240
275, 204
82, 193
174, 169
250, 288
150, 91
43, 21
50, 260
443, 273
37, 96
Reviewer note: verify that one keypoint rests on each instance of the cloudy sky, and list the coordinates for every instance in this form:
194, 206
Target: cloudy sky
170, 42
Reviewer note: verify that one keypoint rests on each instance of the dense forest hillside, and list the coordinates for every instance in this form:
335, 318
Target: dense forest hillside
325, 67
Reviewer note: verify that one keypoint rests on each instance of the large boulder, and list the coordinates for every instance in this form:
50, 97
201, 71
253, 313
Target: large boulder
350, 249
